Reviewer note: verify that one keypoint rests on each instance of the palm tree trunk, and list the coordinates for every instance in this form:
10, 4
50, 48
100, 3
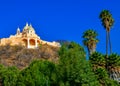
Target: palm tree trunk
106, 49
107, 43
110, 42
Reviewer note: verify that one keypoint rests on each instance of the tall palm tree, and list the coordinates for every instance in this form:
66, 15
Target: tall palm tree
90, 40
107, 21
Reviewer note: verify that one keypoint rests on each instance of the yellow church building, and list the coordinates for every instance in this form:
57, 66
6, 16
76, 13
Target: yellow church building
27, 38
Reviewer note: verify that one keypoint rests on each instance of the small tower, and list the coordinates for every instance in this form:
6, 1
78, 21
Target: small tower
18, 31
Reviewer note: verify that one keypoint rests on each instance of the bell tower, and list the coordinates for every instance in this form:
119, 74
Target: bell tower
18, 31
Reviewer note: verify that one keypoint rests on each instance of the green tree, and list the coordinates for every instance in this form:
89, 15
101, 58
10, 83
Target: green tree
39, 73
98, 63
107, 21
90, 40
73, 68
97, 60
8, 75
103, 77
113, 60
114, 66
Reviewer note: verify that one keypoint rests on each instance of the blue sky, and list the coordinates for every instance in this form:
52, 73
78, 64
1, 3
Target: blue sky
60, 19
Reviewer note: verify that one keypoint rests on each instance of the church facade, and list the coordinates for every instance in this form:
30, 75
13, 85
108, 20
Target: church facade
27, 38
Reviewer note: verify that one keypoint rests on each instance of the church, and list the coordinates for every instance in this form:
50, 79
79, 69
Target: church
27, 38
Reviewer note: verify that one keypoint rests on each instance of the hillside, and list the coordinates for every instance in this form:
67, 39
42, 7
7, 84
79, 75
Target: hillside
37, 67
21, 57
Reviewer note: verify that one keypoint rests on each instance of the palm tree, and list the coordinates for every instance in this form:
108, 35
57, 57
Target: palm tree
107, 21
90, 40
97, 60
114, 66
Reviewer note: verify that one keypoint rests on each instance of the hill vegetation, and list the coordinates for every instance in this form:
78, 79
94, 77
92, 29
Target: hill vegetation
70, 69
64, 66
21, 57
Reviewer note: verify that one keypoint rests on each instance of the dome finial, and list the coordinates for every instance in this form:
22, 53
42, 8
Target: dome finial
26, 23
30, 25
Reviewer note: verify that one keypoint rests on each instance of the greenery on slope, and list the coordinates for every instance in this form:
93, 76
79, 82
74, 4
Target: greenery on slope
64, 66
72, 69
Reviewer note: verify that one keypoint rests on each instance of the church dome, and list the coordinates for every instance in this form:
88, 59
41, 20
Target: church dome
28, 28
